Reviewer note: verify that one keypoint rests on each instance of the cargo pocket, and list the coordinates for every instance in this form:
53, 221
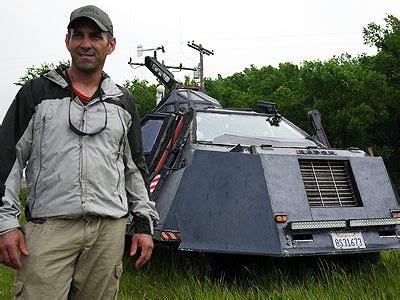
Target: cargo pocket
113, 285
18, 290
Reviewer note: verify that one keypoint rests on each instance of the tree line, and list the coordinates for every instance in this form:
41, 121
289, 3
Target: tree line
358, 97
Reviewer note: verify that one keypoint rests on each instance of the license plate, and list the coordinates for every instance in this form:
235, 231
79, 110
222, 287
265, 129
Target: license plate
348, 240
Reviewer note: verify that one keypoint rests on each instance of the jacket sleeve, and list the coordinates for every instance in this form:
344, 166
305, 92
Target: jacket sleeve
15, 144
143, 210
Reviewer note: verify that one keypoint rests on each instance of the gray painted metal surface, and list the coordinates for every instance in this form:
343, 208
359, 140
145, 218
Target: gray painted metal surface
224, 205
225, 202
374, 185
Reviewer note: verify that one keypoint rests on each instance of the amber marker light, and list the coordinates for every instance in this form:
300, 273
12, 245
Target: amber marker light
281, 218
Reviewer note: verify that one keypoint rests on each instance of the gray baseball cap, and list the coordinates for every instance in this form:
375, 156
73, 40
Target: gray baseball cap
94, 13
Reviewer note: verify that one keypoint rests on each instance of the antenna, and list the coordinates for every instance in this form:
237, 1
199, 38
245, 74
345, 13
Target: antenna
140, 50
315, 119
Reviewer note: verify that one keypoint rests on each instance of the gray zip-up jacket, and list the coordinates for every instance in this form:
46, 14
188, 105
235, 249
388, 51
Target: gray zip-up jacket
70, 175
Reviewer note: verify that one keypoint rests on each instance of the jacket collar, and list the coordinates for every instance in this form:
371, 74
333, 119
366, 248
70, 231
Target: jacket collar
109, 88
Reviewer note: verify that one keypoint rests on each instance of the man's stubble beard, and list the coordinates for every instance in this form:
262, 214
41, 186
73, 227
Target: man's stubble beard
87, 67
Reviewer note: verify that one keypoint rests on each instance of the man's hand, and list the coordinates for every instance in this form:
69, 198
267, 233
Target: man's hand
8, 248
144, 242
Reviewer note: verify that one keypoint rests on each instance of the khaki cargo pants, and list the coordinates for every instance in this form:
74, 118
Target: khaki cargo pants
71, 259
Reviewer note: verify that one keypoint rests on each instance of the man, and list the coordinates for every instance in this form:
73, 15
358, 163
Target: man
78, 135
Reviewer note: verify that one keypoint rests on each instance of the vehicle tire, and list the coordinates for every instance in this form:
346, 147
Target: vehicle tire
372, 257
195, 263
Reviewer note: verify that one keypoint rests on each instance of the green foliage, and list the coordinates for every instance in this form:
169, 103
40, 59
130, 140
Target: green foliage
384, 38
34, 72
145, 95
188, 81
387, 63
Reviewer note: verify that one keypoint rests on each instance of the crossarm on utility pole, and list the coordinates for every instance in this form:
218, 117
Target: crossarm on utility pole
202, 51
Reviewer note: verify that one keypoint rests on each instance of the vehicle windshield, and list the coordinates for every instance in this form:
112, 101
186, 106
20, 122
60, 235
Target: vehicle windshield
213, 125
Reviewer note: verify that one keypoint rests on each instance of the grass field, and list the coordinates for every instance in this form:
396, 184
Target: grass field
264, 279
258, 278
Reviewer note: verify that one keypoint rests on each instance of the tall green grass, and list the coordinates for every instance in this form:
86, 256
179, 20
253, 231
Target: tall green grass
266, 279
312, 278
257, 278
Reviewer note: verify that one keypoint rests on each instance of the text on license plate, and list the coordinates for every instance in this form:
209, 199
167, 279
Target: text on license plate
348, 240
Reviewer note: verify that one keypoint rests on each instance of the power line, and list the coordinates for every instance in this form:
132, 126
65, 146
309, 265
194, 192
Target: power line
292, 35
287, 46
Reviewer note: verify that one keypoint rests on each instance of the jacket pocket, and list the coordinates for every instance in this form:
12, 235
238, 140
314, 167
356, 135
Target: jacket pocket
124, 203
113, 285
119, 174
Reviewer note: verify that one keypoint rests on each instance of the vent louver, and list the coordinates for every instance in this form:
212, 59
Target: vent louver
329, 183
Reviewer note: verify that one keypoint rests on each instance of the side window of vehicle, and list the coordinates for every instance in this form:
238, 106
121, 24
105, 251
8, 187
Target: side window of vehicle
150, 131
155, 132
170, 108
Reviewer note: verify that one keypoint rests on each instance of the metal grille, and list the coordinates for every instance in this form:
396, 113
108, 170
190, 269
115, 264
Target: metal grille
328, 183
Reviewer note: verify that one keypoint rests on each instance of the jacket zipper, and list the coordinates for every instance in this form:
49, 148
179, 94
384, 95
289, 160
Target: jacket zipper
81, 171
82, 164
40, 161
119, 152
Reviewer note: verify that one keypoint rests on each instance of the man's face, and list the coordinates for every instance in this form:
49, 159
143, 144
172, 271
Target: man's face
89, 46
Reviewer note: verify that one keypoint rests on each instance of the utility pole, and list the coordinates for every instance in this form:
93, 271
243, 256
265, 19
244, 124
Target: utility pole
202, 51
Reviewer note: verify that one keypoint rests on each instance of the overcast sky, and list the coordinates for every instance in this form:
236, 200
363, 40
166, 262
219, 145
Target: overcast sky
241, 33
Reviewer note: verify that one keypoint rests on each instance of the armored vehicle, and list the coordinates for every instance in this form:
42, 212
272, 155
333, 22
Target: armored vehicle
252, 182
